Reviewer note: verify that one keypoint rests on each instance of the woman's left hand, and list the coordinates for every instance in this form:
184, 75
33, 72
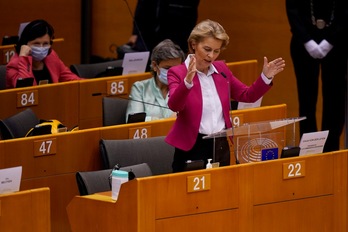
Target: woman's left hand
270, 69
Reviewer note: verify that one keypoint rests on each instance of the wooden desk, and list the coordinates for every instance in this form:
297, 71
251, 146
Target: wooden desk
25, 211
92, 92
261, 197
53, 160
7, 51
54, 101
246, 70
80, 102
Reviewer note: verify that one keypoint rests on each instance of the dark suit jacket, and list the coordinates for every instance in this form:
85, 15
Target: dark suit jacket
157, 20
302, 28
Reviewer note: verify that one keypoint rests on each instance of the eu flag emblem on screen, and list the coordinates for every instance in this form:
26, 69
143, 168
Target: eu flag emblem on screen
269, 154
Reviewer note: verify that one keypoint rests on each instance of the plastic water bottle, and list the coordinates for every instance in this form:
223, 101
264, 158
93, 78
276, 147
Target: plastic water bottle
118, 178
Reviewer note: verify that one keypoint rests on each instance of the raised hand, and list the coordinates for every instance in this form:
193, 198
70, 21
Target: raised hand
270, 69
25, 50
191, 70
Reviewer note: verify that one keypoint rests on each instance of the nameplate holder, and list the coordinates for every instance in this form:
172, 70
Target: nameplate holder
198, 183
293, 170
27, 98
141, 132
117, 87
45, 147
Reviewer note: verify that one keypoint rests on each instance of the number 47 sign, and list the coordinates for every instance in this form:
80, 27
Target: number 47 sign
45, 147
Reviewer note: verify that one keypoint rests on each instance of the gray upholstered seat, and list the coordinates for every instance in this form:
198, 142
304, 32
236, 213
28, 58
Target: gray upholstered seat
114, 111
90, 182
109, 68
153, 151
18, 125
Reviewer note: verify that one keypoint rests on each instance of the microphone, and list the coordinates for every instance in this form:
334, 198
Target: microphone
136, 25
147, 103
130, 99
229, 102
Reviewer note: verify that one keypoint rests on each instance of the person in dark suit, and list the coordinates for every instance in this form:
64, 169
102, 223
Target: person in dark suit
200, 90
156, 20
319, 45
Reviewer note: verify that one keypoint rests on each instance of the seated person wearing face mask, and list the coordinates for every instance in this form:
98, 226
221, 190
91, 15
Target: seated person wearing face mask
36, 59
151, 95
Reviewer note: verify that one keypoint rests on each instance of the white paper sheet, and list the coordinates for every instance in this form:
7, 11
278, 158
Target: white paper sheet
135, 62
245, 105
313, 143
10, 179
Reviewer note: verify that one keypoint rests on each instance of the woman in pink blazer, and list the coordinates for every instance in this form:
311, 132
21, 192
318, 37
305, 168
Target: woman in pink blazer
36, 59
200, 90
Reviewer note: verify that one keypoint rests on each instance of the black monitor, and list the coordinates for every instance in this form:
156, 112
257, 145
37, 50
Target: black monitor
290, 152
136, 117
24, 82
9, 40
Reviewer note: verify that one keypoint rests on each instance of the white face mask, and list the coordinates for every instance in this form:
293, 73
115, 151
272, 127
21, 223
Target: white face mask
163, 76
39, 53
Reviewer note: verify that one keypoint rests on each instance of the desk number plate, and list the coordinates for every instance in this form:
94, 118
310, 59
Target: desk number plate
198, 183
294, 169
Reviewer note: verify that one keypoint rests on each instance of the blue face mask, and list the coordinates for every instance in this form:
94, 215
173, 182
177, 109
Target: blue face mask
39, 53
163, 76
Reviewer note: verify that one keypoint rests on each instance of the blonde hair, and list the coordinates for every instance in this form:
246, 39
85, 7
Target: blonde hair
205, 29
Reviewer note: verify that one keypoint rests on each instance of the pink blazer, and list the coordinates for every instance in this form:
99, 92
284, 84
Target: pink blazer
21, 67
188, 102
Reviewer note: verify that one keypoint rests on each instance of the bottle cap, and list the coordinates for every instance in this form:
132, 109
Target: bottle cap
120, 173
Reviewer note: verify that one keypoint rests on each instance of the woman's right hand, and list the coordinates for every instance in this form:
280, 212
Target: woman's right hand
25, 50
191, 71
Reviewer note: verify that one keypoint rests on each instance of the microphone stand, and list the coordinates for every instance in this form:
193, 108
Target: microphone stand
229, 102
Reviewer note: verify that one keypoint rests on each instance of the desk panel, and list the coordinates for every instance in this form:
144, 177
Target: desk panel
63, 188
259, 114
221, 201
92, 92
171, 190
246, 71
311, 214
80, 103
312, 173
79, 151
138, 130
214, 221
75, 151
146, 199
25, 211
53, 101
